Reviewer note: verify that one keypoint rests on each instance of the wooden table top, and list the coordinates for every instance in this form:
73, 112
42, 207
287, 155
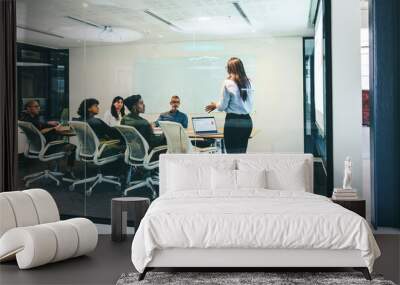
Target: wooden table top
220, 135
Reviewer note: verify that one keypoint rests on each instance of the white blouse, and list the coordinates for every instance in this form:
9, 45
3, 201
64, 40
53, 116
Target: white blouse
111, 120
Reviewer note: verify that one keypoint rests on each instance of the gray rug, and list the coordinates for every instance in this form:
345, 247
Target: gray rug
243, 278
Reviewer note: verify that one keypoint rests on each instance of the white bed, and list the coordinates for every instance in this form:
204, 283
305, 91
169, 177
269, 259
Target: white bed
231, 226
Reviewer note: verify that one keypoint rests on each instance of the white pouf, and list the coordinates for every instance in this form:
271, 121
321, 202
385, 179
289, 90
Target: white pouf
31, 232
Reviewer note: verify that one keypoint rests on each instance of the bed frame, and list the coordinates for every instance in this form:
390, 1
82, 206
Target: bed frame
243, 259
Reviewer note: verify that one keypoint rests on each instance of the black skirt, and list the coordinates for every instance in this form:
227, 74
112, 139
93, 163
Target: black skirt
237, 131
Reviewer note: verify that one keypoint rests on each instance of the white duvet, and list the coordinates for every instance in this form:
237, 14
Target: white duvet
250, 219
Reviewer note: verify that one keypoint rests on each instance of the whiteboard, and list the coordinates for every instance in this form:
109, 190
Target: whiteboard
196, 80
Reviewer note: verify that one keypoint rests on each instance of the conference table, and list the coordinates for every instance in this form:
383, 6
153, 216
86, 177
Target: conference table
219, 137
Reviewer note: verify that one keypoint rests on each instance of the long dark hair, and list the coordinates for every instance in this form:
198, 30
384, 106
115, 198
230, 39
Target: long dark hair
237, 73
83, 110
114, 112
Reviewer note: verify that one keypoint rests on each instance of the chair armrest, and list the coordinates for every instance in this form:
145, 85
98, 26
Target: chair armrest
48, 146
55, 143
159, 148
154, 151
109, 142
105, 144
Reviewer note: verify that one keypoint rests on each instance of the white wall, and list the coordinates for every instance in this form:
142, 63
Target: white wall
346, 84
105, 72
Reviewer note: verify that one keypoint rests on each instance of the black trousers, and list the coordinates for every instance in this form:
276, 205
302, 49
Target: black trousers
237, 132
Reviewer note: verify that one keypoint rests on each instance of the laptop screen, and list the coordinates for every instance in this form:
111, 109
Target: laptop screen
204, 125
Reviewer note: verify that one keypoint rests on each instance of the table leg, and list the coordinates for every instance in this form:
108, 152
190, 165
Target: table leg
223, 146
138, 211
118, 222
129, 175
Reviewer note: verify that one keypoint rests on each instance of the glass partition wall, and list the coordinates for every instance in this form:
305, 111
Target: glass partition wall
85, 57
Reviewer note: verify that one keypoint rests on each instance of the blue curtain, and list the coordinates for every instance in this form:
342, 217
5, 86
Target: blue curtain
385, 111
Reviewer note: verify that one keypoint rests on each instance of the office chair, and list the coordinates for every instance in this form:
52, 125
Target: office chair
38, 148
137, 156
178, 141
91, 150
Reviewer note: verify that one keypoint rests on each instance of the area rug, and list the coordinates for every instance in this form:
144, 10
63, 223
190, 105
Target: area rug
244, 278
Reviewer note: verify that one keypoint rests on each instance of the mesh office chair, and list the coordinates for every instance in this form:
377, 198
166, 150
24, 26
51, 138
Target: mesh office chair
91, 150
137, 156
38, 148
178, 141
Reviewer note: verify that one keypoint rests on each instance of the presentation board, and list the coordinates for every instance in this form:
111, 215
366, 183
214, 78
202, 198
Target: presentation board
196, 80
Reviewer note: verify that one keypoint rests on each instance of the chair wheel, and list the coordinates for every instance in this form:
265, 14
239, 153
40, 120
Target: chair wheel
88, 193
71, 187
118, 187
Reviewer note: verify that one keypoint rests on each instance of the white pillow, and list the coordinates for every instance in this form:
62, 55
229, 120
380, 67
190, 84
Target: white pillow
281, 174
293, 178
227, 179
191, 176
223, 179
251, 178
182, 177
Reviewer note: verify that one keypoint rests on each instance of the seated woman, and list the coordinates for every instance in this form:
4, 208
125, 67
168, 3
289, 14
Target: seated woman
114, 115
87, 111
136, 106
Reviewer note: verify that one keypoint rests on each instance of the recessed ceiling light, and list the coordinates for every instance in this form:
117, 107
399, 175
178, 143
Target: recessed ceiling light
110, 3
219, 25
202, 19
85, 5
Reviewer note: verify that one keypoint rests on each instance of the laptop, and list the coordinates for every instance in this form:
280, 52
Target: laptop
204, 125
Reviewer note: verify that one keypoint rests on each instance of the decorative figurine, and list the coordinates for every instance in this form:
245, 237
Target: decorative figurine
347, 173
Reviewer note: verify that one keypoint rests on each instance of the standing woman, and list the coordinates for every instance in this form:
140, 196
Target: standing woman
237, 102
114, 116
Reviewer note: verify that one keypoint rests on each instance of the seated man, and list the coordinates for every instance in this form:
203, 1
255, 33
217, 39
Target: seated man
31, 114
136, 107
174, 115
49, 129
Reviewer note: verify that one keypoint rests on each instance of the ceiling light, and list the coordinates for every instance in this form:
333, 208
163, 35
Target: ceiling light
241, 12
99, 33
108, 35
40, 32
202, 19
110, 3
221, 25
85, 22
155, 16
